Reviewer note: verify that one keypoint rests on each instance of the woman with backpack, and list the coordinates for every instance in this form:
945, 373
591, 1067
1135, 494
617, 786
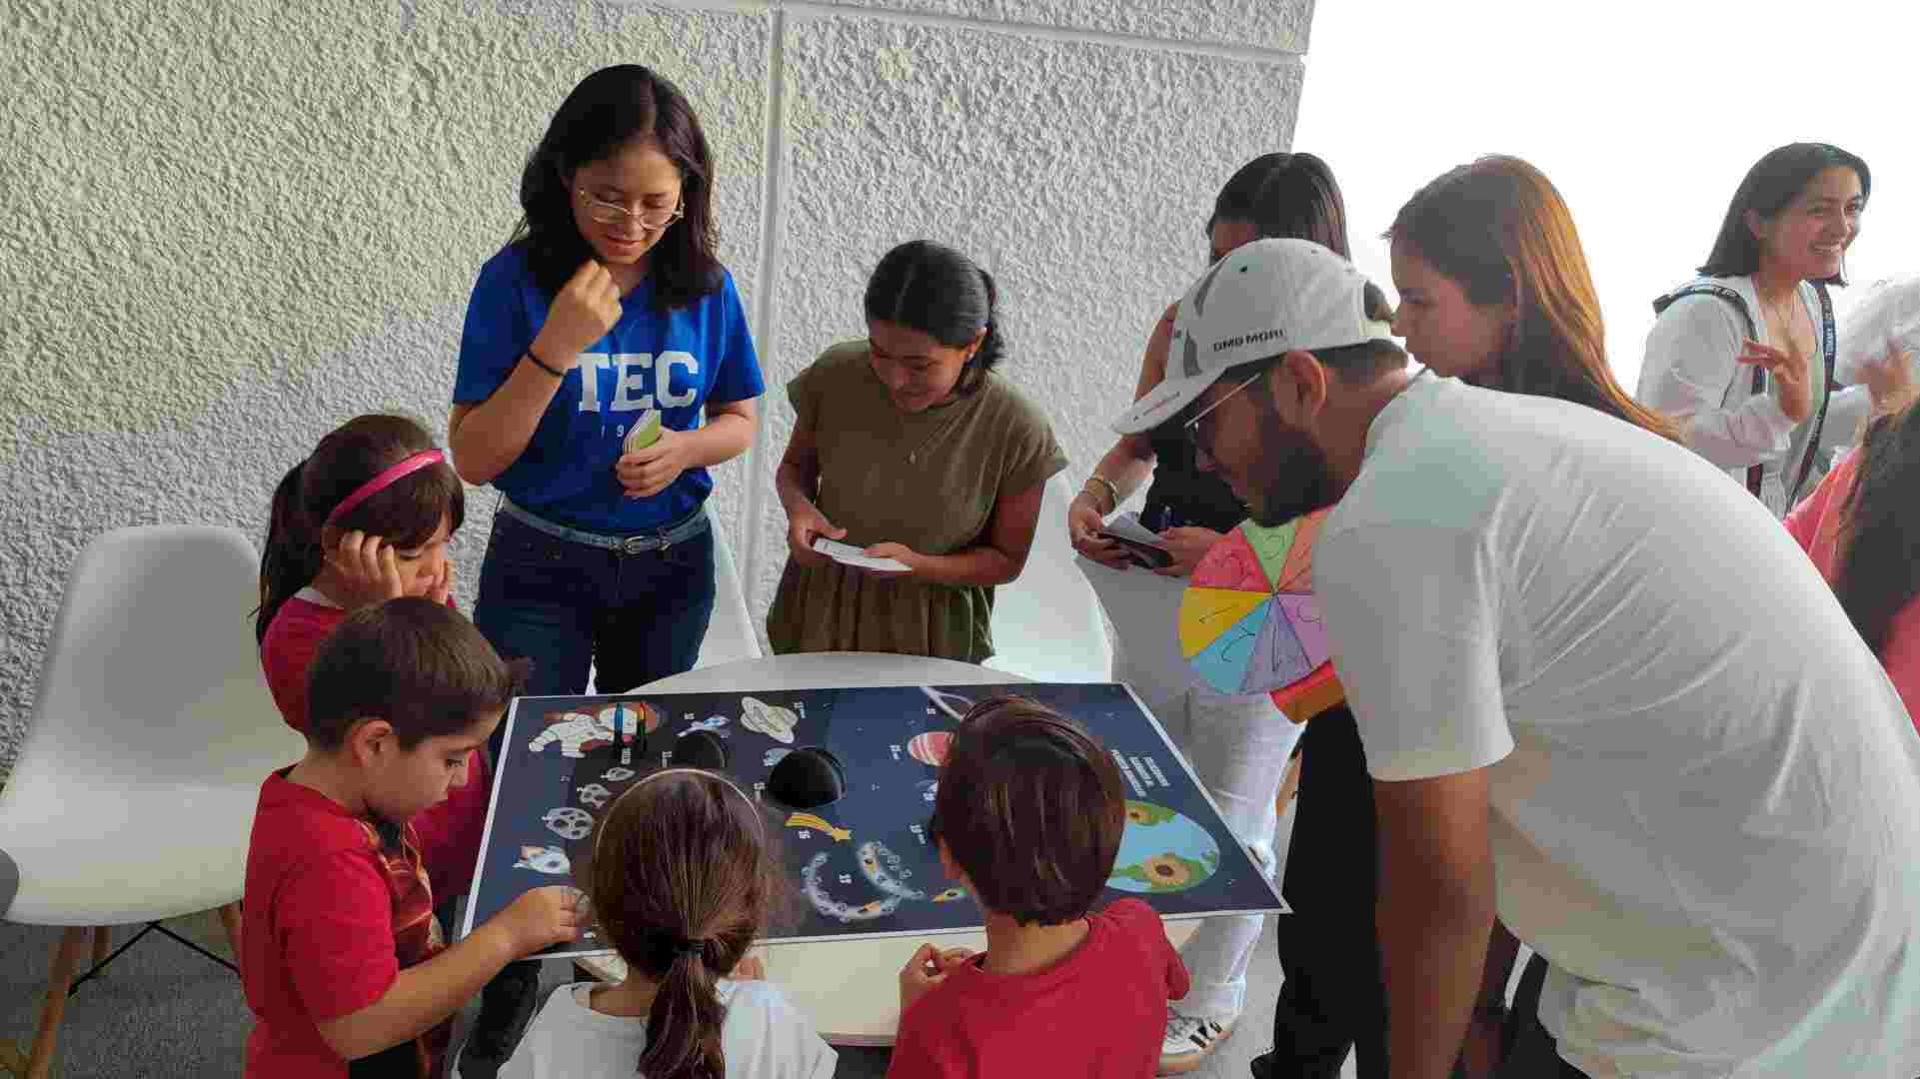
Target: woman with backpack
1742, 356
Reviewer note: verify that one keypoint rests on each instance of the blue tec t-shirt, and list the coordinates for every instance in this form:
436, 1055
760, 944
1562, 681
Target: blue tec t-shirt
675, 362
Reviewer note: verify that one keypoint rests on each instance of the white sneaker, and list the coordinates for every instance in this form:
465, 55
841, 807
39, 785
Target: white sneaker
1189, 1042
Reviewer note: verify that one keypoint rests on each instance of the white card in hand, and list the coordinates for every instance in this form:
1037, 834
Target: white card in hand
849, 555
1128, 525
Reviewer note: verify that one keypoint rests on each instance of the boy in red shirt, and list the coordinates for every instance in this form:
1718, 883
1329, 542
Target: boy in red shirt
340, 955
1028, 817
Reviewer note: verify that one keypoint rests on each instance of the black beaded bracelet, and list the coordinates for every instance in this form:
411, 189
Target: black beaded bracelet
544, 365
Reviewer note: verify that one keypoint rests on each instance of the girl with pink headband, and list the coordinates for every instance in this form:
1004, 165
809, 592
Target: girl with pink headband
364, 519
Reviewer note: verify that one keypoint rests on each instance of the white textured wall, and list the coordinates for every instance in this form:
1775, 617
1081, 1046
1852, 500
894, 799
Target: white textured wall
226, 227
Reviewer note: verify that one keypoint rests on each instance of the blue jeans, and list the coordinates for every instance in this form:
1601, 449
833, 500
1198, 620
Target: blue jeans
564, 605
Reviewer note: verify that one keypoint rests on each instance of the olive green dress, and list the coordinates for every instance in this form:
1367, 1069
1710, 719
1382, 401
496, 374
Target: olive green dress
928, 480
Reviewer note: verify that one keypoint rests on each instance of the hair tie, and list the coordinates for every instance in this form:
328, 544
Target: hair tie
667, 943
387, 478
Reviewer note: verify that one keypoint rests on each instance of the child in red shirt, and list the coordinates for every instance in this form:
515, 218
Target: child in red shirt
1861, 524
1028, 817
341, 957
365, 518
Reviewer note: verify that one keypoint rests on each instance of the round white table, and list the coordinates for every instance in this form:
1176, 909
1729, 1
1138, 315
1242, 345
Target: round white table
848, 986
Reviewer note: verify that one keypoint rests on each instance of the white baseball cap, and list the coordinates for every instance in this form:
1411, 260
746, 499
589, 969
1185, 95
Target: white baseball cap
1265, 298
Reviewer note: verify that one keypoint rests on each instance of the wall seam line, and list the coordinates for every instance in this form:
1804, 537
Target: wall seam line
830, 9
766, 309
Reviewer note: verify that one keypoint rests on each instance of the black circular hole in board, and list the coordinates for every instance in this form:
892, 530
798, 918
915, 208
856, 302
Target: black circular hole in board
807, 778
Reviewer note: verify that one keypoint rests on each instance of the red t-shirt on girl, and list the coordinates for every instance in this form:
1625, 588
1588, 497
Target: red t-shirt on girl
334, 911
1817, 523
1100, 1013
449, 832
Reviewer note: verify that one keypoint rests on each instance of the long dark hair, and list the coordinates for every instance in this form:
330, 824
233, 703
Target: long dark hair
938, 291
1879, 570
1287, 196
405, 514
1773, 182
610, 108
1500, 229
681, 882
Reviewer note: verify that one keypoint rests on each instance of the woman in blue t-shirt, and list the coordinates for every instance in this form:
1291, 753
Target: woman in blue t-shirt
605, 365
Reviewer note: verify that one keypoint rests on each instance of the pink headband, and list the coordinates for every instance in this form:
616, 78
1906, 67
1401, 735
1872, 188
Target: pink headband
384, 480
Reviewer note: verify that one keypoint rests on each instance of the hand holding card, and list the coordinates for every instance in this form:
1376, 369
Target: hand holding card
645, 432
1148, 555
848, 555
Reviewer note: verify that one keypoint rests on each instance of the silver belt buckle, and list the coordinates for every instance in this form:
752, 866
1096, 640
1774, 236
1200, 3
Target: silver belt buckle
636, 545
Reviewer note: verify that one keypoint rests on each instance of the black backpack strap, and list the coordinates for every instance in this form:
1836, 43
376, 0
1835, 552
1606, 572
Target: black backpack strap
1739, 302
1829, 347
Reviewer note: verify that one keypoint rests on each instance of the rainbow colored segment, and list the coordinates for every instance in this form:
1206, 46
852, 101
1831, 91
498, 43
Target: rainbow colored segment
1249, 622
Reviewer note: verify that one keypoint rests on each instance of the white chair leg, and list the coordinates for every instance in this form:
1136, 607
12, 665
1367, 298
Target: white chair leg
66, 956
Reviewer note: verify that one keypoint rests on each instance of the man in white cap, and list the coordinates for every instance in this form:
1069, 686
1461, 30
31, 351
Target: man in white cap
1584, 666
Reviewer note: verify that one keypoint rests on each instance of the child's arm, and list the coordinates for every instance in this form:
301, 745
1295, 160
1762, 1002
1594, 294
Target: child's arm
920, 975
426, 994
1144, 920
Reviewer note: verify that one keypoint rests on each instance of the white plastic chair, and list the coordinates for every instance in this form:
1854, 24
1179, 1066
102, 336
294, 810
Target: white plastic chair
730, 635
1047, 624
133, 798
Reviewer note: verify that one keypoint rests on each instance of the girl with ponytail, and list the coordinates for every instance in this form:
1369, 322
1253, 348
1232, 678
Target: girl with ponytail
364, 519
681, 882
910, 445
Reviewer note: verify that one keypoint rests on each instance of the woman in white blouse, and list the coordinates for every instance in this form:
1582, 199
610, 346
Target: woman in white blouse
1741, 357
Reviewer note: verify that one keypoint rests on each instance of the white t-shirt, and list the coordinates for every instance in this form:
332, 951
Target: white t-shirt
764, 1037
1692, 373
1705, 790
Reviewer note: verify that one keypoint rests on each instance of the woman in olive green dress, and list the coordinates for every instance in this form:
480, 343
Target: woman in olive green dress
908, 446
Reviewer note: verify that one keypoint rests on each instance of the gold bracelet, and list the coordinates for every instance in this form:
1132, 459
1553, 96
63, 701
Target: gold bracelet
1091, 493
1113, 492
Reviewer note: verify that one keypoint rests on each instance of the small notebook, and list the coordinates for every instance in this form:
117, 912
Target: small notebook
848, 555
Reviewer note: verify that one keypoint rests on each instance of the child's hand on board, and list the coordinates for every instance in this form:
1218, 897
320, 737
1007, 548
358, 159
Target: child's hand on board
926, 970
541, 917
365, 571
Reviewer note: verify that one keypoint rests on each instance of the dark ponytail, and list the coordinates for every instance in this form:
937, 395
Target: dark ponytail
406, 514
940, 292
682, 881
291, 558
683, 1026
1286, 195
994, 344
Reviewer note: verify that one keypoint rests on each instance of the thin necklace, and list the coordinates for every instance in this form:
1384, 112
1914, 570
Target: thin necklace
940, 429
1785, 317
